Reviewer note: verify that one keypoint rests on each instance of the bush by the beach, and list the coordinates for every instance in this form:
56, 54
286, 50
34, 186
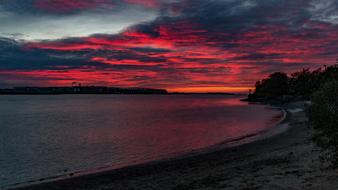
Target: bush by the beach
274, 86
323, 115
298, 86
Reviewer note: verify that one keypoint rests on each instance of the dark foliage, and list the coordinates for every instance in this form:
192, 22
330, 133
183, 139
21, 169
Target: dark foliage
323, 115
321, 88
274, 86
304, 83
299, 85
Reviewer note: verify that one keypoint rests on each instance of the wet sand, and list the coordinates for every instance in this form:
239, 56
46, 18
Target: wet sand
287, 161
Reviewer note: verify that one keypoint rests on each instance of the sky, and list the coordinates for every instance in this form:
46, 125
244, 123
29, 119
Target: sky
179, 45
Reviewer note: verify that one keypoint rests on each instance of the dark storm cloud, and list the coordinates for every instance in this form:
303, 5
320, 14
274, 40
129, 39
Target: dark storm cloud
57, 7
55, 19
13, 56
242, 14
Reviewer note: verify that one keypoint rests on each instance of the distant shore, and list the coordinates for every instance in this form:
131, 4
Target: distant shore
286, 161
95, 90
79, 90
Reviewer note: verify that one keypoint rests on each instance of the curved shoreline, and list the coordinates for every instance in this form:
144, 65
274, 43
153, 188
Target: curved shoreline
220, 147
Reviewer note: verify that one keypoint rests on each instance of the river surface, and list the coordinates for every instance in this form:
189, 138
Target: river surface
48, 136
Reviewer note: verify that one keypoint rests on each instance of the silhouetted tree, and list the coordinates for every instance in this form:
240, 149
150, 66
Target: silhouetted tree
274, 86
304, 83
301, 84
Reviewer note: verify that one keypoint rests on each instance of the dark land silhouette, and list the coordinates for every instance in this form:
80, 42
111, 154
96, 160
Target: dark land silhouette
320, 87
79, 90
301, 85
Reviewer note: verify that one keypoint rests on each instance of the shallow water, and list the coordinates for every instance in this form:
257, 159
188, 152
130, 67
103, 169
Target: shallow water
46, 136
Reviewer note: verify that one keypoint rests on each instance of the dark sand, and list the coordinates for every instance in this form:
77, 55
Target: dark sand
287, 161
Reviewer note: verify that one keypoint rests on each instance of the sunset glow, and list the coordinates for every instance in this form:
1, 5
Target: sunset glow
211, 89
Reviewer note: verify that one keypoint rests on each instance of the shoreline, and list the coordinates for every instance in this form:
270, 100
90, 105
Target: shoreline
274, 130
292, 162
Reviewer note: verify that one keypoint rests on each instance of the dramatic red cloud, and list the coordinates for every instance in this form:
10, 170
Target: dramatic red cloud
59, 46
84, 76
167, 37
191, 45
122, 61
194, 59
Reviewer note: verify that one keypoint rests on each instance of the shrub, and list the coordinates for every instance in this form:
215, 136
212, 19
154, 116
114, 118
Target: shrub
323, 115
274, 86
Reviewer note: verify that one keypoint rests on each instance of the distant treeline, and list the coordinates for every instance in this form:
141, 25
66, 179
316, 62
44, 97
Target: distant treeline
81, 90
321, 88
298, 86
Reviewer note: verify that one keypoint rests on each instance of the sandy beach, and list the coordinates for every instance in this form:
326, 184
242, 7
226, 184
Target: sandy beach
286, 161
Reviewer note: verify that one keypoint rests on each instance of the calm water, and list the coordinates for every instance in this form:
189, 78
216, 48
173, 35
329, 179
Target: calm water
44, 136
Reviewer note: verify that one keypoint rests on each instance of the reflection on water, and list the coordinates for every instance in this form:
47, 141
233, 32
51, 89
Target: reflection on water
43, 136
